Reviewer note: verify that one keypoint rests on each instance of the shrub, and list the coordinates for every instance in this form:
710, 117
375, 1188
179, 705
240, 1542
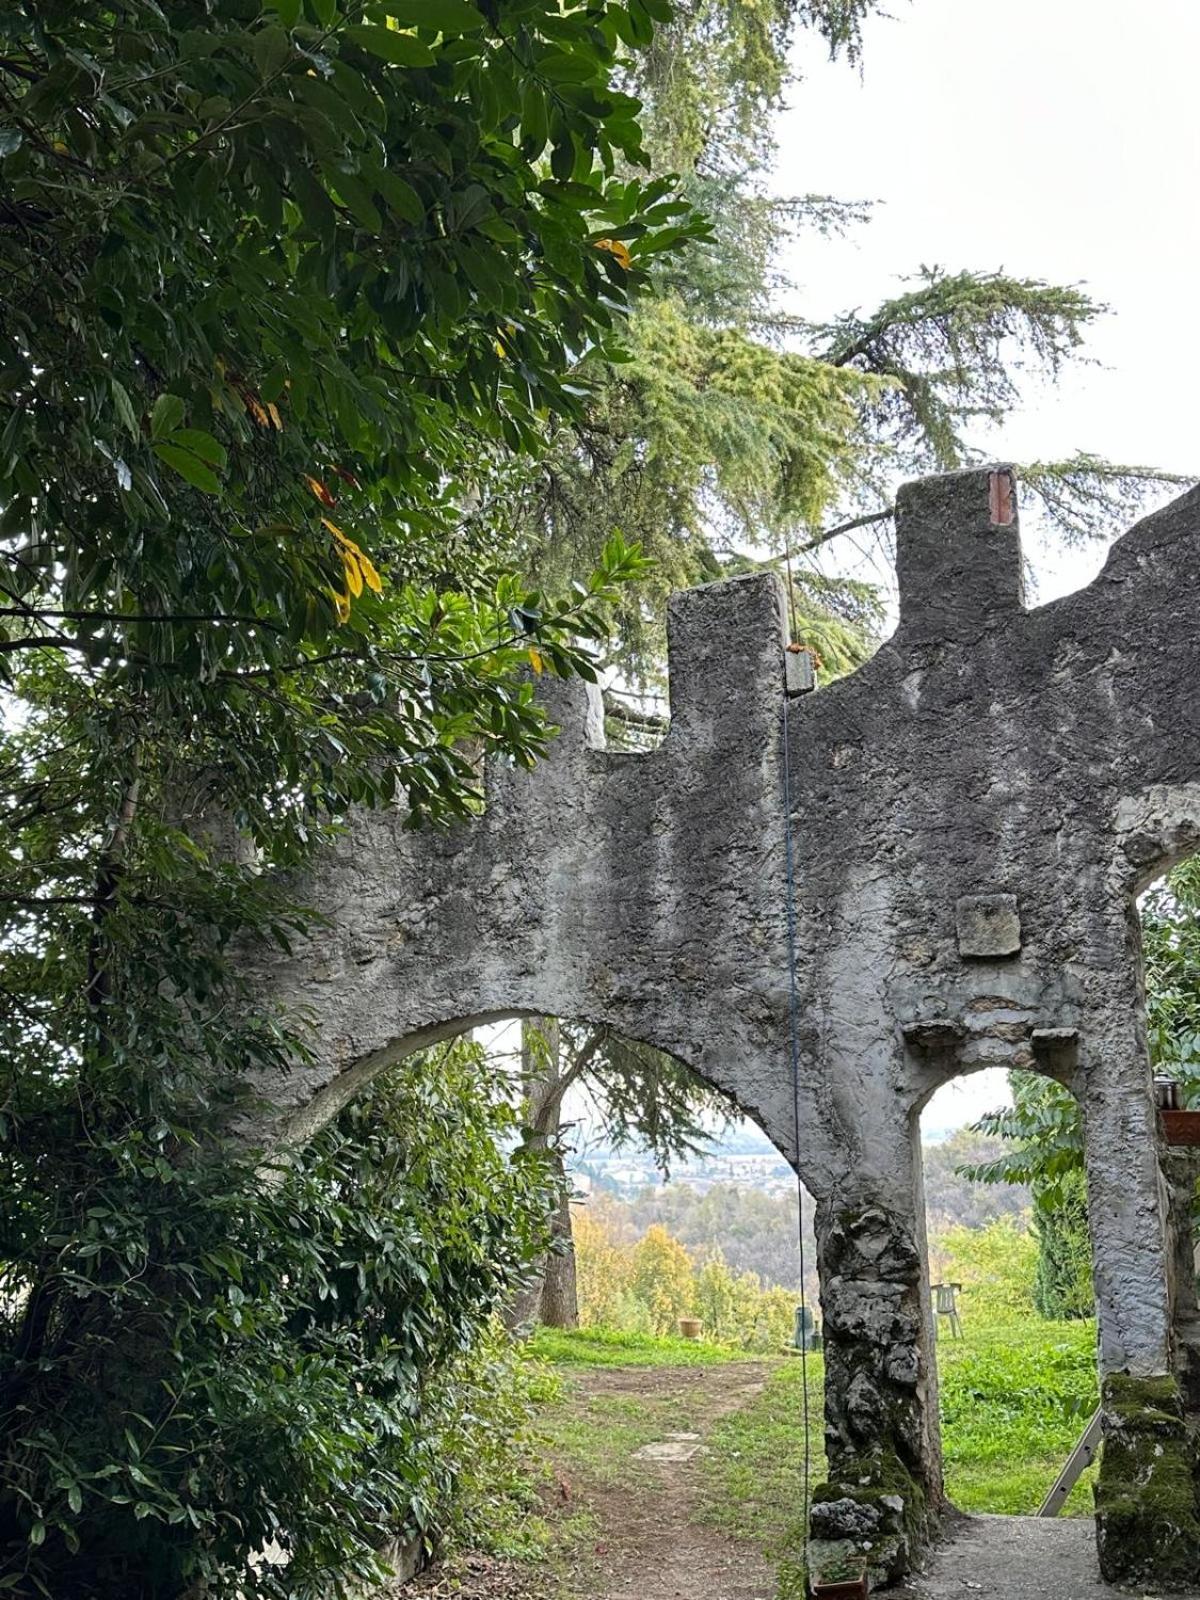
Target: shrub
996, 1265
317, 1389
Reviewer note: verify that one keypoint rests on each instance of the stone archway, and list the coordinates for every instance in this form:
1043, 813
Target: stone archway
970, 815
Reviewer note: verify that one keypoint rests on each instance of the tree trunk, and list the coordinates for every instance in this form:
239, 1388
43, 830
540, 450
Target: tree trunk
560, 1297
551, 1296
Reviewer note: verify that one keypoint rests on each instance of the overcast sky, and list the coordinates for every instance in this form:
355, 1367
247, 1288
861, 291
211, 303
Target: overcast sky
1051, 138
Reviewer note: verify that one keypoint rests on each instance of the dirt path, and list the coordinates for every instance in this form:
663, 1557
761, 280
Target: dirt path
651, 1546
640, 1510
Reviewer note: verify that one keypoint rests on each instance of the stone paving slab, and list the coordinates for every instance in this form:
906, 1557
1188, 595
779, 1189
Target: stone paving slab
1019, 1558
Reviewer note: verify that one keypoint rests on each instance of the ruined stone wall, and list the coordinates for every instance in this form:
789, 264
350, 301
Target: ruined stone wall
971, 815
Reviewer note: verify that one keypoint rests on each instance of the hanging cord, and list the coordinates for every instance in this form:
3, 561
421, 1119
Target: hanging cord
791, 594
794, 1027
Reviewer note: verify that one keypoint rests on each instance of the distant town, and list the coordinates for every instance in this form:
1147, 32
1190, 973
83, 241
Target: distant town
741, 1155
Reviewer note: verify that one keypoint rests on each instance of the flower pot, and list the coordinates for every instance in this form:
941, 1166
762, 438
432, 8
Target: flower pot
690, 1327
841, 1589
1181, 1127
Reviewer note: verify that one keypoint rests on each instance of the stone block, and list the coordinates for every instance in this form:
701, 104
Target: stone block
989, 926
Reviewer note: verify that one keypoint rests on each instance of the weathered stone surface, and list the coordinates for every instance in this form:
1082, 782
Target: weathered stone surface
1052, 755
1147, 1525
989, 925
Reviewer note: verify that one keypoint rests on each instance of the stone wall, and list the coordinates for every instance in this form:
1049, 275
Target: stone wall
971, 815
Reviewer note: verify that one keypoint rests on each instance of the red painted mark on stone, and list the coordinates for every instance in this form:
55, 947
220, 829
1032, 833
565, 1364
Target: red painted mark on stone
1000, 498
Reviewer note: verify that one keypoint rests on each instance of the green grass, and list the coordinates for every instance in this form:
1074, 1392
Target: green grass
1014, 1399
608, 1347
598, 1435
755, 1467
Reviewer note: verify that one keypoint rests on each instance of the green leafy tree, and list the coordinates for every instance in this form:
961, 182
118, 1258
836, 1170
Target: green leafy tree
641, 1096
737, 432
1171, 945
321, 1327
280, 279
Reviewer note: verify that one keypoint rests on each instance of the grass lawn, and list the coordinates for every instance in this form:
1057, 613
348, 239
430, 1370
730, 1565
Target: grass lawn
1014, 1399
1014, 1396
609, 1347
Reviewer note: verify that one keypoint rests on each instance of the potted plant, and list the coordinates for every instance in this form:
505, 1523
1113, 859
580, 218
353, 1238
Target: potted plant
844, 1579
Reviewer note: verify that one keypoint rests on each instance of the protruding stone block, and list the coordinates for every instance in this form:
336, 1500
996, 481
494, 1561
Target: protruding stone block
725, 642
989, 926
958, 553
800, 676
934, 1033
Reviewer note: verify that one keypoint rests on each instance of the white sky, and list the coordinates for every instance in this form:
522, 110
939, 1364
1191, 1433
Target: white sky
1051, 138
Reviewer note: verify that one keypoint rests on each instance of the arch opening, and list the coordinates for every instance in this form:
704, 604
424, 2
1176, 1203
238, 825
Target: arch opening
1168, 921
1009, 1293
711, 1240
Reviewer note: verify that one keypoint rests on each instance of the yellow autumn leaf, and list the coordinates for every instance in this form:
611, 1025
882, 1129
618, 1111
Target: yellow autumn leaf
618, 249
370, 576
353, 576
316, 486
341, 604
273, 413
536, 661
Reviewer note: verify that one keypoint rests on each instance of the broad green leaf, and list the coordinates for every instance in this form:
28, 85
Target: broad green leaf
355, 193
450, 17
272, 48
166, 416
124, 406
469, 208
561, 68
400, 195
200, 444
189, 466
400, 49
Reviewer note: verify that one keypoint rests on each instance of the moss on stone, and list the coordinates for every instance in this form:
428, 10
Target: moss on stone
1147, 1520
880, 1481
1148, 1405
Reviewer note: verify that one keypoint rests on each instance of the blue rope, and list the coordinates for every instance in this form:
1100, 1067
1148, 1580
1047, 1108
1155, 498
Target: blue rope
794, 1020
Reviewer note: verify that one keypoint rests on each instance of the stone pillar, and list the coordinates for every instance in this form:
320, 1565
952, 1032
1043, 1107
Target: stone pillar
880, 1503
1147, 1526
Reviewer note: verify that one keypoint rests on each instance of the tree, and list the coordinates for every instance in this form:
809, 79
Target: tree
737, 432
642, 1096
662, 1280
279, 280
